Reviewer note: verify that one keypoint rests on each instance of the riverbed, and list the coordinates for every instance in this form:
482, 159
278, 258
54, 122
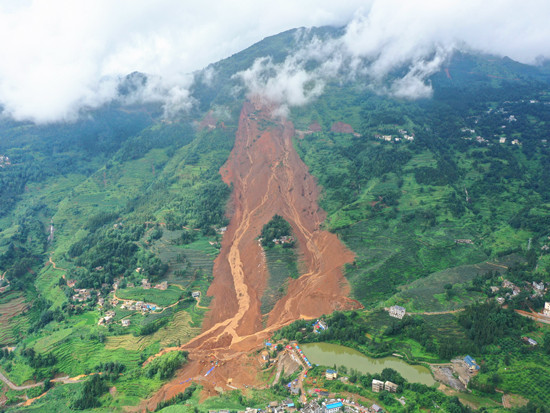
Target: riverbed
327, 354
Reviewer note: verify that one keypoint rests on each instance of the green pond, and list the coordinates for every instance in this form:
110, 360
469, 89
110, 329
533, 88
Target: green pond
327, 354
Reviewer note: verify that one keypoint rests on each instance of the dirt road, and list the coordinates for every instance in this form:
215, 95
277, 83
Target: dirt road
268, 178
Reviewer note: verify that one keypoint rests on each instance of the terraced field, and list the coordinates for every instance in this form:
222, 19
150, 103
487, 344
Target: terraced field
427, 294
198, 255
47, 284
76, 355
179, 330
282, 265
11, 326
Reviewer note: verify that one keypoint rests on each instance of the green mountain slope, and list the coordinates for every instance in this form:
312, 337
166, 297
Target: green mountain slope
427, 193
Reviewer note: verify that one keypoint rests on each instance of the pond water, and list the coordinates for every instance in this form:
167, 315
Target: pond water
327, 354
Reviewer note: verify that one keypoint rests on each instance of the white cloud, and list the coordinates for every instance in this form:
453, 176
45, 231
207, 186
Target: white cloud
420, 35
59, 56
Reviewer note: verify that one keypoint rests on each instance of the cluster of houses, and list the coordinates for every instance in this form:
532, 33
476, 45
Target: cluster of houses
320, 325
328, 406
285, 239
538, 289
405, 136
110, 318
81, 294
139, 306
4, 161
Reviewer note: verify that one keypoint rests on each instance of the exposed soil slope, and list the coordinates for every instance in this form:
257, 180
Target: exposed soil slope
268, 178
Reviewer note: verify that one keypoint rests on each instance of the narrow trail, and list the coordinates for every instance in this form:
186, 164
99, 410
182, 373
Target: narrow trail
458, 310
52, 263
268, 178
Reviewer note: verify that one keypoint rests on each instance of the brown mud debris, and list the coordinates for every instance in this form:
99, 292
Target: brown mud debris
268, 178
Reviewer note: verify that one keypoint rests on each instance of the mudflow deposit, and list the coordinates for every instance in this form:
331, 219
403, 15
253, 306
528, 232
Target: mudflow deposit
268, 178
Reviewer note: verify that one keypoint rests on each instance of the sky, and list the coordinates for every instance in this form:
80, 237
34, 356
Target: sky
59, 57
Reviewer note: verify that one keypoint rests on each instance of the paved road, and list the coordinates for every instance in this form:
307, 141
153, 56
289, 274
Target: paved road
15, 387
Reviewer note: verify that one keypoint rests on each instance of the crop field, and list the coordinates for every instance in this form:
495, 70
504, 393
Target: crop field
152, 295
131, 391
531, 378
179, 330
47, 284
427, 294
387, 257
76, 355
106, 190
282, 264
184, 260
12, 323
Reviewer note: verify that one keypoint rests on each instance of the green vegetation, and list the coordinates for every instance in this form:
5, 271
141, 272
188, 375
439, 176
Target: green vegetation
438, 210
159, 297
276, 229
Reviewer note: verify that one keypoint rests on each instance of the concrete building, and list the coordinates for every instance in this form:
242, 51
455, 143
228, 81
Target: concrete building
377, 386
546, 310
397, 311
331, 374
391, 387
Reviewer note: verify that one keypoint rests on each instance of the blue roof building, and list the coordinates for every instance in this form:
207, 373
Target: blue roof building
333, 407
472, 365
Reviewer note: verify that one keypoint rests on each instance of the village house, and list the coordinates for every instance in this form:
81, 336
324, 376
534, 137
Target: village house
125, 322
4, 161
529, 341
546, 310
502, 140
145, 284
539, 287
196, 294
376, 409
71, 283
391, 387
397, 311
265, 355
331, 374
377, 386
162, 286
82, 294
471, 363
